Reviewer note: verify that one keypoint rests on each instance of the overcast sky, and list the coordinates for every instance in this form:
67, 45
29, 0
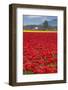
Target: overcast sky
36, 20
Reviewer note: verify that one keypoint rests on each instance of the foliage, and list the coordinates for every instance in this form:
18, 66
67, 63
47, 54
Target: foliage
45, 24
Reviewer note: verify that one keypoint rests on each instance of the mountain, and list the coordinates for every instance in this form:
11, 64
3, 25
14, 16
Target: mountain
52, 23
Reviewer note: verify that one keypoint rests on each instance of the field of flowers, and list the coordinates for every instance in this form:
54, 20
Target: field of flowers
40, 52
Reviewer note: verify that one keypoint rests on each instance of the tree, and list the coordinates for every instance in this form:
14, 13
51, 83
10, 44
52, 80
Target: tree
45, 24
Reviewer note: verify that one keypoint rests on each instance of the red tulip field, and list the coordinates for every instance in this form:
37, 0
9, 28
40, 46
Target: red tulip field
39, 52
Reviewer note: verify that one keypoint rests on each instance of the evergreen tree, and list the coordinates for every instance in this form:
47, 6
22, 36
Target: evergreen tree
45, 24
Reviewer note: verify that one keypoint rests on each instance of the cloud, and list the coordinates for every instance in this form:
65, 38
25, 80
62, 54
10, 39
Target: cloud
42, 18
33, 16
